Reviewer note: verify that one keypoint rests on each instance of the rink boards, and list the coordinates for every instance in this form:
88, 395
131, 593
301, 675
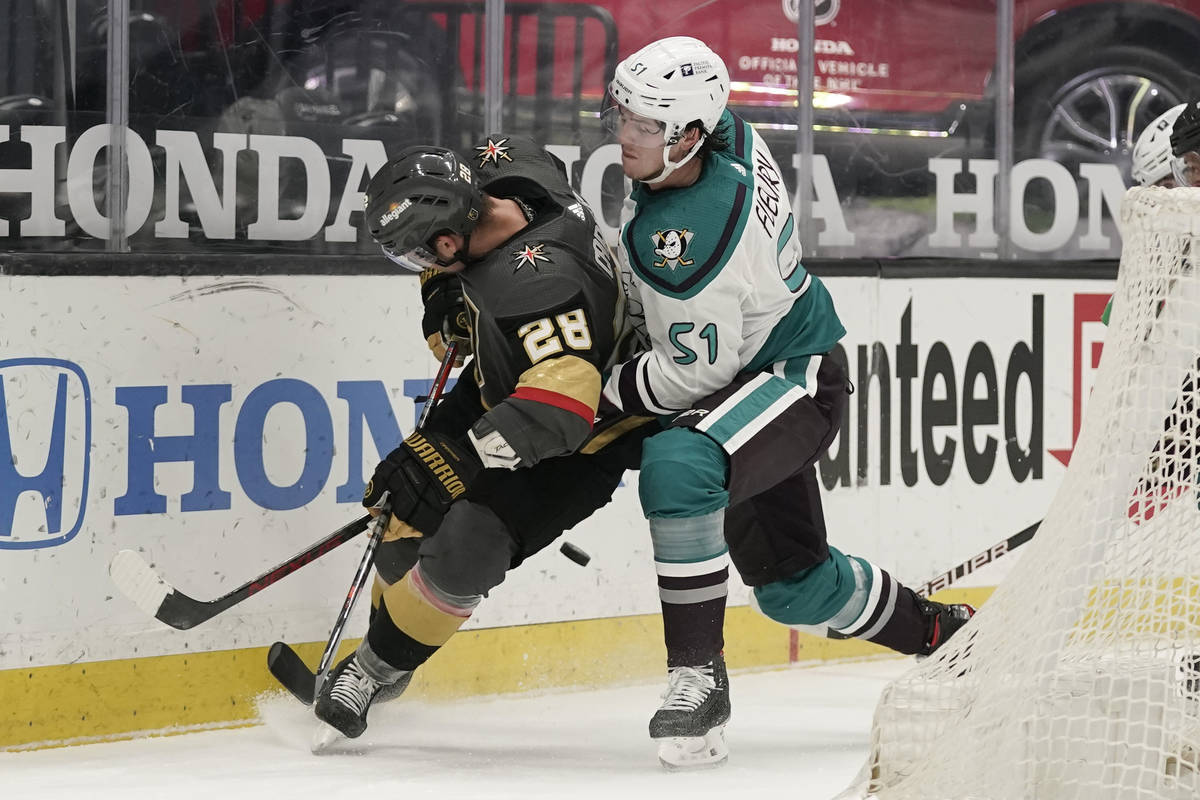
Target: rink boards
219, 424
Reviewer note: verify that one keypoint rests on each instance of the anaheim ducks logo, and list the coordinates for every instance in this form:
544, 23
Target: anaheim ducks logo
493, 151
671, 246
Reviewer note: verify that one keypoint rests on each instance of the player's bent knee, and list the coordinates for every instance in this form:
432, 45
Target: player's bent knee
814, 596
682, 474
470, 553
395, 558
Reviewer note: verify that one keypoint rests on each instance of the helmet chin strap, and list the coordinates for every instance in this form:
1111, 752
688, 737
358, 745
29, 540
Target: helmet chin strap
670, 166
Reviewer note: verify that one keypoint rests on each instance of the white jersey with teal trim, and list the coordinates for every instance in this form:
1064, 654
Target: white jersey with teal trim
714, 281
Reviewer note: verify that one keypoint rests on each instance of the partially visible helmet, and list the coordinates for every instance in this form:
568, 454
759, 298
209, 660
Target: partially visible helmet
1152, 152
675, 81
424, 191
1185, 145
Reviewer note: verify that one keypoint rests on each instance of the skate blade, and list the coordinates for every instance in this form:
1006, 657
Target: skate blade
323, 737
694, 752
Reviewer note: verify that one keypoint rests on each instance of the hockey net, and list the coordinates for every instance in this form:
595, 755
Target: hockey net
1080, 677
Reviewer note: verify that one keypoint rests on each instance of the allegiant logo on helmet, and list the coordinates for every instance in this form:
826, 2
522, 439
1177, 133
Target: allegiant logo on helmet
394, 212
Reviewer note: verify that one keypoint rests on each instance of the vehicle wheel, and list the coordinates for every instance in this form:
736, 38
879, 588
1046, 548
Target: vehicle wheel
1092, 109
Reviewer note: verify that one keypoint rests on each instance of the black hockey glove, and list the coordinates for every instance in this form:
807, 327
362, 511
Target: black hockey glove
424, 476
445, 316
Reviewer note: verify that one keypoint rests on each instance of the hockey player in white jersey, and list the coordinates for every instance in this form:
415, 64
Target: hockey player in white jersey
1152, 151
1185, 146
737, 361
1153, 162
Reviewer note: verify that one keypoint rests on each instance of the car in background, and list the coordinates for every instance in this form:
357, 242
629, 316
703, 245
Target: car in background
896, 82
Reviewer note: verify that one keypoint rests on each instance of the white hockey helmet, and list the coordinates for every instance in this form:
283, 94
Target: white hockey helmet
1152, 152
675, 81
1185, 146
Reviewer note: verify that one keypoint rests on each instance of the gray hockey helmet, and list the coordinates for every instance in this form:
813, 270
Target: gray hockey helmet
421, 193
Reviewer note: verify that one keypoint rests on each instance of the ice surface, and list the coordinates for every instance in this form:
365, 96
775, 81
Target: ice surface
796, 733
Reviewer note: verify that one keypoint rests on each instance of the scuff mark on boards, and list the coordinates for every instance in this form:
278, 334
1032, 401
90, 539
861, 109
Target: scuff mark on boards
229, 286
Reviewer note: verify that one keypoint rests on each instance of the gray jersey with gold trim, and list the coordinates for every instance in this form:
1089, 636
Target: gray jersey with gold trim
546, 306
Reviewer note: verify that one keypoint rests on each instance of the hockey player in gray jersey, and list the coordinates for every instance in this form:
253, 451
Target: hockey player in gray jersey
737, 339
511, 458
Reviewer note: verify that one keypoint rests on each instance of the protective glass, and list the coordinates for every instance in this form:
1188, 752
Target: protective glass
632, 129
1186, 169
418, 259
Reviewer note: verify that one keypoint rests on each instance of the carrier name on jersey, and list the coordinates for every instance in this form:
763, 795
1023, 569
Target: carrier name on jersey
603, 255
767, 192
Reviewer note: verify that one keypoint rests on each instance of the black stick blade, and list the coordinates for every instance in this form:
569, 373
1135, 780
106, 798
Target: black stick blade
292, 673
138, 581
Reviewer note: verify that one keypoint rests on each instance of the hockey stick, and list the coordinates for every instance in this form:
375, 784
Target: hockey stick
282, 661
138, 581
964, 569
285, 664
970, 565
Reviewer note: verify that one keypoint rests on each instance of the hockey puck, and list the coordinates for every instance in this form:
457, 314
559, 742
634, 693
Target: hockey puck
575, 554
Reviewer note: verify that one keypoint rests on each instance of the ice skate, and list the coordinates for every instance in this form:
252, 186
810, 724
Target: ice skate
689, 727
390, 691
324, 736
944, 621
345, 699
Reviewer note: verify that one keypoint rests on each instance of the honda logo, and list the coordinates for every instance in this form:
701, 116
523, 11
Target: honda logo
44, 404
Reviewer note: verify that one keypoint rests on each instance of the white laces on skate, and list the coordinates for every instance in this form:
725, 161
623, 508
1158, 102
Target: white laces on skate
354, 688
688, 687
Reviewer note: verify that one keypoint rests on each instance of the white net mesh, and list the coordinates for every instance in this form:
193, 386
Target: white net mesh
1080, 677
